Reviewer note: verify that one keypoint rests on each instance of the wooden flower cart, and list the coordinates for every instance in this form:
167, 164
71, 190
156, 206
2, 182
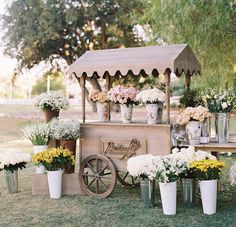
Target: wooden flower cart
106, 146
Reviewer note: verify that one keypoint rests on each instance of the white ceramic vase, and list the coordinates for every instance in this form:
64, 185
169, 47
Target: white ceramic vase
168, 197
102, 111
208, 189
126, 113
37, 149
55, 183
193, 129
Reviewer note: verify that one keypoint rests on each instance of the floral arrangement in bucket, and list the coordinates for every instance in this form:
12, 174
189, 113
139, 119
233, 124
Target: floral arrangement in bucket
219, 101
153, 99
126, 97
54, 160
193, 117
208, 172
64, 129
38, 134
54, 100
10, 161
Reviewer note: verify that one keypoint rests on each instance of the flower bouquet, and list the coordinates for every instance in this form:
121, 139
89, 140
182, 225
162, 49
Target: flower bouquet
10, 162
153, 99
197, 123
51, 103
221, 103
208, 171
101, 99
126, 97
54, 160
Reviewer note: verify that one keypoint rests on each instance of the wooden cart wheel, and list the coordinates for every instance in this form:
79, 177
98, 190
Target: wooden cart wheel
126, 179
97, 176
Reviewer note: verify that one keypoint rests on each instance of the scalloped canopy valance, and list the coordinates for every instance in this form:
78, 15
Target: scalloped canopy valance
138, 60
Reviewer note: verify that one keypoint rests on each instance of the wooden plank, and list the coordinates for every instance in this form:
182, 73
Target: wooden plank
70, 184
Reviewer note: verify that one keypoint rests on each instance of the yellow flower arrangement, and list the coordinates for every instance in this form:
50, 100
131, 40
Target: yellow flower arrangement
99, 96
54, 158
207, 169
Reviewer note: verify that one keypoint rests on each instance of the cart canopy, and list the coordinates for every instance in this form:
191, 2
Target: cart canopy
138, 60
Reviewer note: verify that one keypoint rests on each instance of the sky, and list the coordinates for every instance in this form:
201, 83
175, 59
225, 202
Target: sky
7, 64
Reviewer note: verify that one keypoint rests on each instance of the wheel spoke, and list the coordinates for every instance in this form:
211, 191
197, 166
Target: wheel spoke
105, 174
90, 183
90, 167
104, 184
125, 176
97, 165
103, 169
97, 186
87, 175
132, 180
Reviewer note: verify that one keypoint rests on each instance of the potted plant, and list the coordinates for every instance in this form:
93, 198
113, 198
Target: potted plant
167, 170
208, 172
51, 103
38, 134
188, 181
221, 103
67, 132
101, 99
126, 97
54, 160
153, 99
138, 166
192, 117
10, 162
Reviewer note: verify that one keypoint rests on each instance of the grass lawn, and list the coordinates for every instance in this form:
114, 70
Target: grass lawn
123, 208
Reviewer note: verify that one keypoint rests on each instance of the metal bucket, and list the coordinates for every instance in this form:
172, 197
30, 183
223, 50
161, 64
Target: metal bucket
188, 186
147, 192
11, 181
222, 127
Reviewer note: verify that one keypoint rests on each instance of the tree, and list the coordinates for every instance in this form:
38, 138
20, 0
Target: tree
209, 26
49, 29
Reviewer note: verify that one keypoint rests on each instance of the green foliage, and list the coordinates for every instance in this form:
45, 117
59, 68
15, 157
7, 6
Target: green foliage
42, 30
57, 82
191, 98
210, 29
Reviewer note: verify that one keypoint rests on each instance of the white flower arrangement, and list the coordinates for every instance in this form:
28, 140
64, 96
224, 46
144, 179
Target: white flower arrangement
62, 129
232, 174
12, 160
38, 134
138, 166
150, 96
199, 113
54, 100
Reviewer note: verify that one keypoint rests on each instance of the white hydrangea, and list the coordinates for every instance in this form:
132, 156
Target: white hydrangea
153, 95
13, 157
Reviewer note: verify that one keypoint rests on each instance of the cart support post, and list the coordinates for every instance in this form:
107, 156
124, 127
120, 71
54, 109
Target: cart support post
108, 87
83, 97
167, 79
188, 81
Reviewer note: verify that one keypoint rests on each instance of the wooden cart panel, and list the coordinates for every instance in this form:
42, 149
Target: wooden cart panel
120, 141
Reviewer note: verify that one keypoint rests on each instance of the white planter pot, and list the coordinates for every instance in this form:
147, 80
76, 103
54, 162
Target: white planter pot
55, 183
208, 189
168, 197
154, 113
102, 111
126, 112
193, 129
37, 149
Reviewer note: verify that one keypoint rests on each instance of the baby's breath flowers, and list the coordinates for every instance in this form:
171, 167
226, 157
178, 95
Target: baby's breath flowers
54, 158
